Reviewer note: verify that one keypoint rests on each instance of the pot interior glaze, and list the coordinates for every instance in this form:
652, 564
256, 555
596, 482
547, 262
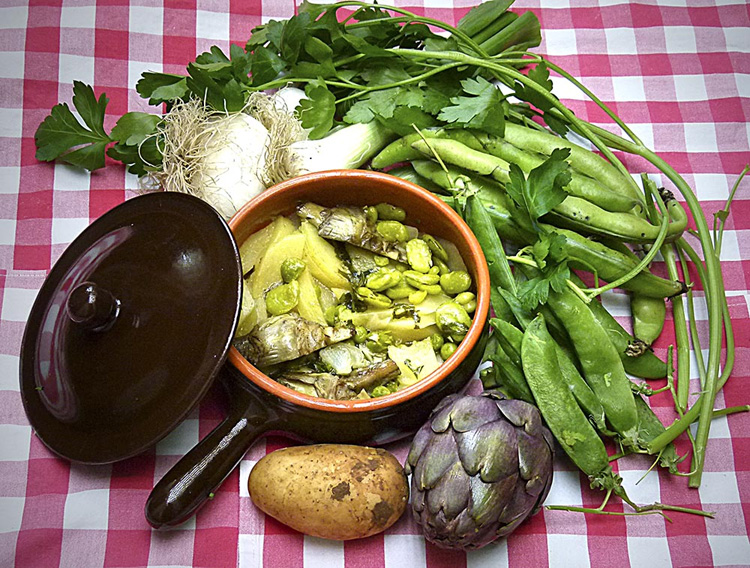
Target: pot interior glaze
425, 211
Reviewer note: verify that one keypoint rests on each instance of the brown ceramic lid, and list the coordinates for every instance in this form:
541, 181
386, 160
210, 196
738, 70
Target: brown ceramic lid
130, 327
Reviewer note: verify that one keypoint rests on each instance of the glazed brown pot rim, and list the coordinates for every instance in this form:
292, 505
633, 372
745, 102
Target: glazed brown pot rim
482, 283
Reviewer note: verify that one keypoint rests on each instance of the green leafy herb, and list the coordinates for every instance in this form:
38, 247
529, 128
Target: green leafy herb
483, 109
544, 188
548, 252
318, 109
62, 136
136, 146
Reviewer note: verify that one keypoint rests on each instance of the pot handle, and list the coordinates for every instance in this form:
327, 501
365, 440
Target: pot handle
194, 479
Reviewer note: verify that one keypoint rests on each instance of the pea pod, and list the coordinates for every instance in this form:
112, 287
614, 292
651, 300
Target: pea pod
600, 362
399, 151
637, 359
579, 214
509, 377
610, 264
580, 159
649, 315
481, 225
511, 338
559, 408
580, 185
649, 428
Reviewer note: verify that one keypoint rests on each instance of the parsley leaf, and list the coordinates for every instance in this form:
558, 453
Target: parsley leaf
134, 127
266, 66
543, 190
318, 109
162, 87
540, 75
548, 252
136, 136
61, 132
483, 109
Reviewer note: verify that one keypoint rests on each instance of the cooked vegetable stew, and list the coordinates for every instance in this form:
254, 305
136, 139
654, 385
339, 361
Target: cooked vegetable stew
351, 302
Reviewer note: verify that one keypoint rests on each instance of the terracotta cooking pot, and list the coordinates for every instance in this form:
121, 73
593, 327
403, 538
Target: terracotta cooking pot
259, 405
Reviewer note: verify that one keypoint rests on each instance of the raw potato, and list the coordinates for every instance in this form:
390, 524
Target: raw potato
332, 491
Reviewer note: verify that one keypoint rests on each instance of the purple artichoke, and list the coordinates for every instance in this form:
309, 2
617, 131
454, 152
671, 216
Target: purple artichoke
479, 467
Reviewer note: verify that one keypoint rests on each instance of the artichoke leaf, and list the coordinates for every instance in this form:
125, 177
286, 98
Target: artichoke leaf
487, 498
532, 452
521, 415
438, 457
451, 493
467, 414
490, 451
418, 445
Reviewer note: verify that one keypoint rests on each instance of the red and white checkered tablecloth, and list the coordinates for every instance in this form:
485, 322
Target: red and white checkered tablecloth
678, 71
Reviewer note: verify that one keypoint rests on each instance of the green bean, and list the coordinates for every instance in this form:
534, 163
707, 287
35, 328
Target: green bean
392, 231
559, 408
388, 212
373, 299
452, 319
291, 268
455, 282
466, 299
400, 291
419, 255
420, 280
282, 298
438, 251
418, 296
383, 279
648, 317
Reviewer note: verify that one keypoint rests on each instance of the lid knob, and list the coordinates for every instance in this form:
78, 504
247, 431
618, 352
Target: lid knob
92, 307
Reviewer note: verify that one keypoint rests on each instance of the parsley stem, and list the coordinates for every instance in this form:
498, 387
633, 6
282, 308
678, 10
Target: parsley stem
404, 82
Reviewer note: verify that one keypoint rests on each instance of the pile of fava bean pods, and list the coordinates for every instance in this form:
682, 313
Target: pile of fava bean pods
566, 353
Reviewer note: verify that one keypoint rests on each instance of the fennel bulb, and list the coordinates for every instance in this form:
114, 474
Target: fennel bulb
232, 166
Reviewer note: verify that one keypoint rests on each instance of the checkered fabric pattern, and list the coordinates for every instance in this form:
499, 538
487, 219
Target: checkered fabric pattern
678, 71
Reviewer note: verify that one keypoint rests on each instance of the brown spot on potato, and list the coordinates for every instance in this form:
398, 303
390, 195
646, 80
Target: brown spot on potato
381, 512
340, 491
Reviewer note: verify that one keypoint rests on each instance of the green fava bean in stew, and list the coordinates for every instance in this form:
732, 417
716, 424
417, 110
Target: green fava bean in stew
358, 304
